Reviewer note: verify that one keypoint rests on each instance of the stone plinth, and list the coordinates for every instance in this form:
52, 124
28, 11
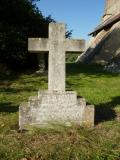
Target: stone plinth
55, 107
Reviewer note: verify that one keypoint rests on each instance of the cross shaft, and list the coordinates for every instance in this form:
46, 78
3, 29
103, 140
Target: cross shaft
57, 46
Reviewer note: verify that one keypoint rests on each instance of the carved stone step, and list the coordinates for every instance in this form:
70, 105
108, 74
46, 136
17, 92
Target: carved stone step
81, 101
55, 107
24, 115
88, 116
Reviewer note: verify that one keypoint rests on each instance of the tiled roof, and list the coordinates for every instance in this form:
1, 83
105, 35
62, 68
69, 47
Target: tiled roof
107, 23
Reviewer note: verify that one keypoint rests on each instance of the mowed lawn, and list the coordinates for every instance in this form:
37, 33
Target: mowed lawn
62, 143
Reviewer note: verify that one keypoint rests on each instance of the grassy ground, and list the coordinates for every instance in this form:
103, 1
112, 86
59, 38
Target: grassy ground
74, 143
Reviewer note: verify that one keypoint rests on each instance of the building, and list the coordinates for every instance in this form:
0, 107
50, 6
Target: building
104, 46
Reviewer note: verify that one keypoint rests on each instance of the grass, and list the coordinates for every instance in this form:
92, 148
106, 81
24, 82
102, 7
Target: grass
62, 143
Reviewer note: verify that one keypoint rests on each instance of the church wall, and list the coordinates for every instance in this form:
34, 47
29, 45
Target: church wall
110, 48
112, 6
105, 45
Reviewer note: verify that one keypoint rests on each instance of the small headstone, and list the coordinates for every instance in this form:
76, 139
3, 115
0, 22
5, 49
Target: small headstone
55, 105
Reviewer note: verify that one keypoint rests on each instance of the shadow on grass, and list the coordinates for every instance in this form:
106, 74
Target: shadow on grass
8, 108
16, 74
18, 90
87, 69
105, 111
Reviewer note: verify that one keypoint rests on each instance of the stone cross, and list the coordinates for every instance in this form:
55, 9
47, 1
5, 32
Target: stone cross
57, 46
55, 106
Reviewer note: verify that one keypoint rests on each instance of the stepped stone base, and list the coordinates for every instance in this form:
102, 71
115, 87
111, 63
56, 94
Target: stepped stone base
55, 107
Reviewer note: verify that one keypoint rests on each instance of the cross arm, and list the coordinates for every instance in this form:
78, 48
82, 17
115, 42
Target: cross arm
74, 45
38, 45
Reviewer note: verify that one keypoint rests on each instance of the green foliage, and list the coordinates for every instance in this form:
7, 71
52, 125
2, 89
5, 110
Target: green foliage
71, 57
62, 143
19, 20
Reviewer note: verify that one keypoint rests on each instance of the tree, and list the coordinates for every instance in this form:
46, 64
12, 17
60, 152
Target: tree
19, 19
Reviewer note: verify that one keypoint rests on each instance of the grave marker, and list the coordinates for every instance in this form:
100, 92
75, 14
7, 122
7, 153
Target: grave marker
55, 105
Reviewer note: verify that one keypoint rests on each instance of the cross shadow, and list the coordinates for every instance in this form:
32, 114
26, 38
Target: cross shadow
105, 111
8, 108
16, 91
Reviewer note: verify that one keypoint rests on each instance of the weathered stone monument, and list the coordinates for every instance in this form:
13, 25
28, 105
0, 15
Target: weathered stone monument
104, 46
55, 105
